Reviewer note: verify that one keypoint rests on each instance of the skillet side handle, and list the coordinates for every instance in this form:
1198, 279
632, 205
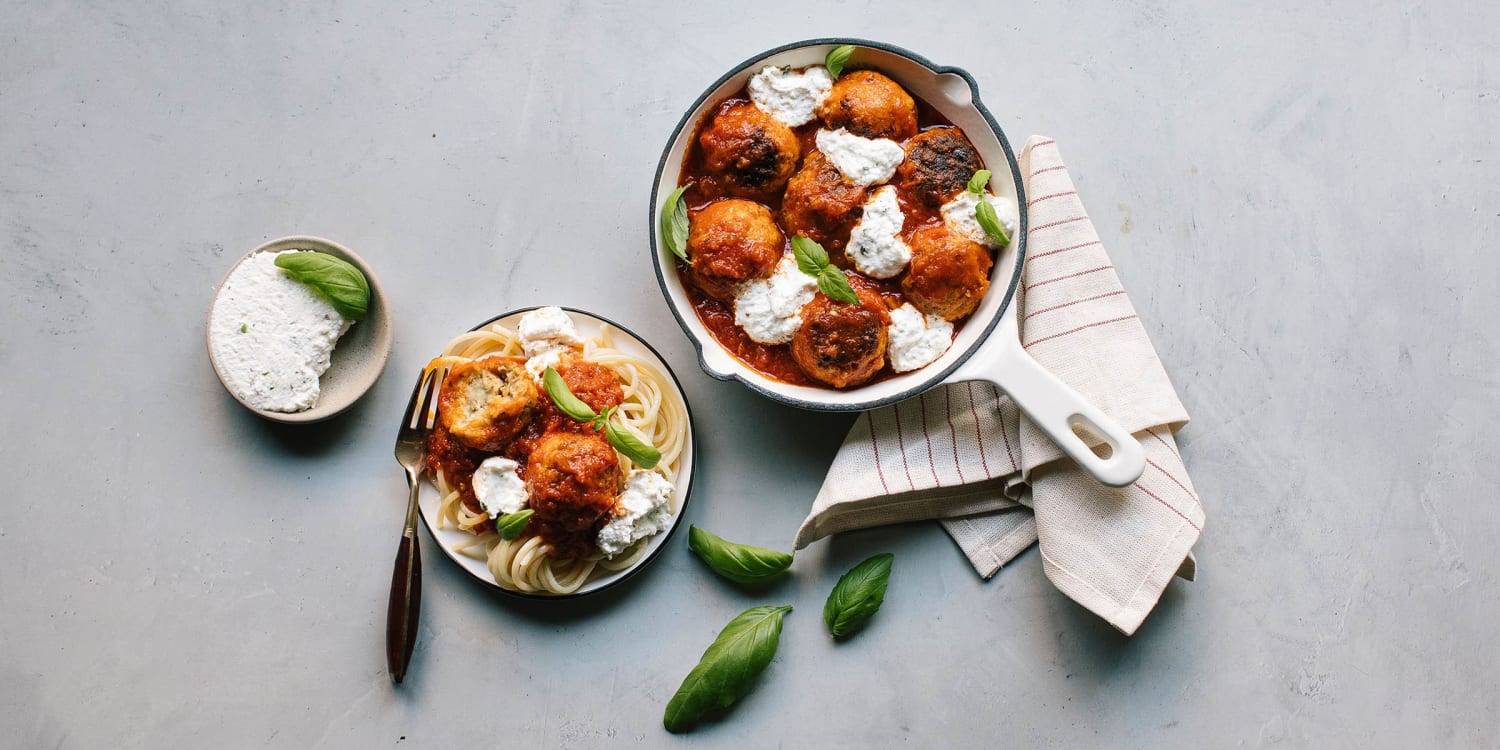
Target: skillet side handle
1056, 408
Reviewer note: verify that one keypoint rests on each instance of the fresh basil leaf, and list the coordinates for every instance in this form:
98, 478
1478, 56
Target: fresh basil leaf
837, 58
728, 668
511, 525
569, 404
740, 563
811, 257
624, 439
674, 223
857, 595
990, 222
332, 279
978, 181
835, 283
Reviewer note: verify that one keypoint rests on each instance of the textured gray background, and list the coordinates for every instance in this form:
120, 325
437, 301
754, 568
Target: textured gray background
1300, 197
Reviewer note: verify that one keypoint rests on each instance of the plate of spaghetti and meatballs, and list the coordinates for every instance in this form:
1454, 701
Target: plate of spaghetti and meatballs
840, 224
561, 456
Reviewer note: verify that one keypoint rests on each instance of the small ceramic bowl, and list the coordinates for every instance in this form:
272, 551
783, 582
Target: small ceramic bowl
358, 358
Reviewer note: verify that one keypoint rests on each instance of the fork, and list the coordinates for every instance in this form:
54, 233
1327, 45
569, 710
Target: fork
406, 581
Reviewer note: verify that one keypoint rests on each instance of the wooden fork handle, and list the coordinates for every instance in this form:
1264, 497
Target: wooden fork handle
406, 603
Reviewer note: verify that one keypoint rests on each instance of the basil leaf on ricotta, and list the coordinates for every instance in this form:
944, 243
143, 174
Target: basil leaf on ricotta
728, 669
857, 596
674, 223
837, 58
988, 220
813, 260
332, 279
740, 563
512, 525
978, 181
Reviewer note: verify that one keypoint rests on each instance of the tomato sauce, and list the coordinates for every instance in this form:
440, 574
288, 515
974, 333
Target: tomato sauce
775, 360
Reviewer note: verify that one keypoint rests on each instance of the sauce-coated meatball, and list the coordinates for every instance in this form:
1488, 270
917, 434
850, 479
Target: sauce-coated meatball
842, 344
574, 479
949, 273
868, 104
732, 241
486, 402
938, 165
820, 204
753, 152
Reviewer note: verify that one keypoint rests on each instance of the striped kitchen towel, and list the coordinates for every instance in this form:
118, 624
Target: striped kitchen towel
965, 455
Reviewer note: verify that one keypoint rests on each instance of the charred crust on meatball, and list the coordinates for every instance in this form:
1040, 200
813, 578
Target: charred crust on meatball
939, 163
842, 344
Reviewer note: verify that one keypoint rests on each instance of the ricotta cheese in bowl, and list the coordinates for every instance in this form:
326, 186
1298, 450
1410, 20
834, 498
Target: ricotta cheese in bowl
271, 338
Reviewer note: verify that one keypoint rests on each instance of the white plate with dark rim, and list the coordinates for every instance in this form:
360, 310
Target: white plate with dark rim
625, 340
360, 355
987, 348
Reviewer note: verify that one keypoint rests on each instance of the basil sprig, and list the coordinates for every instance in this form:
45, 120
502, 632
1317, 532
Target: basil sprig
674, 223
740, 563
728, 668
332, 279
640, 452
837, 58
511, 525
857, 595
978, 181
813, 260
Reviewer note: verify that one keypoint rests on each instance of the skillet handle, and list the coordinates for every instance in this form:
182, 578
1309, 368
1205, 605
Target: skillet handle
1055, 407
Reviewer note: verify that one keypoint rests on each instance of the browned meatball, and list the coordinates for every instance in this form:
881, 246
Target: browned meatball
753, 152
938, 165
486, 402
949, 273
732, 241
842, 344
573, 479
820, 204
867, 103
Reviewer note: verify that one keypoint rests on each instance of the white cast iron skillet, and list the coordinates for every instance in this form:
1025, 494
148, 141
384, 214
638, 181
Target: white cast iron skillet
988, 348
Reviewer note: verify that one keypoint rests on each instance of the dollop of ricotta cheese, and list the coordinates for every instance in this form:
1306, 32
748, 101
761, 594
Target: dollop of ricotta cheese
644, 509
875, 244
546, 334
916, 340
272, 337
865, 161
770, 309
498, 486
789, 96
958, 214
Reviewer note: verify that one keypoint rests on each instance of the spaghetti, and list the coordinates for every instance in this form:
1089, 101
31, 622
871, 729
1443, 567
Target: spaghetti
651, 406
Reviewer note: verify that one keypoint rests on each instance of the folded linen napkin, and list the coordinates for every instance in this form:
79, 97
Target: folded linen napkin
964, 453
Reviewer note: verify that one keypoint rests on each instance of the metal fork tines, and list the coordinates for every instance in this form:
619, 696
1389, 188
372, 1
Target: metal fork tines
406, 580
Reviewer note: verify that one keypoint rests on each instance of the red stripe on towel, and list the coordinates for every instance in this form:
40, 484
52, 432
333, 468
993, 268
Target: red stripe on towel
927, 437
979, 434
1061, 250
1138, 486
953, 434
1030, 315
1050, 196
1030, 287
901, 443
1058, 223
875, 448
1049, 169
1008, 452
1076, 330
1190, 493
1170, 447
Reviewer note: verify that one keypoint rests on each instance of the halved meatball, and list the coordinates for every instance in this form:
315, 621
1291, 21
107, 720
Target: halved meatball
732, 241
868, 104
820, 204
842, 344
753, 152
938, 165
949, 273
486, 402
573, 479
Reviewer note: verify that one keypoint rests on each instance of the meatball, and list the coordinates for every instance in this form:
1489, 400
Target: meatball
753, 152
868, 104
594, 384
820, 204
938, 165
486, 402
842, 344
949, 273
732, 241
573, 480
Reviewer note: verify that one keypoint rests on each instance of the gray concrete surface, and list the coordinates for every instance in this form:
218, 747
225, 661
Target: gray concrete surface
1301, 198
